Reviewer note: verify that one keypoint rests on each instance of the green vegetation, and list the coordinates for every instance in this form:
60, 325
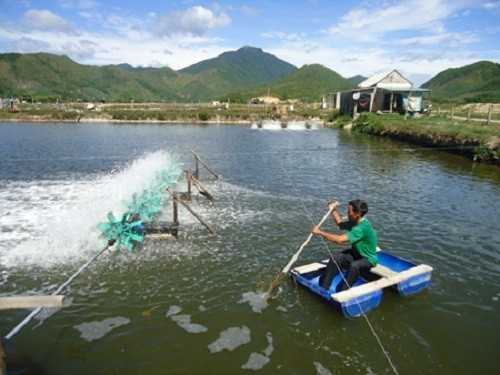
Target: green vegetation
43, 77
307, 84
478, 140
478, 82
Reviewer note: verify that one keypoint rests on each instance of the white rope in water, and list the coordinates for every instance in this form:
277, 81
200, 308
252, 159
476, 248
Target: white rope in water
308, 215
64, 285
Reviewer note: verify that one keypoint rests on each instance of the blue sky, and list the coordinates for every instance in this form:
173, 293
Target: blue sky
418, 38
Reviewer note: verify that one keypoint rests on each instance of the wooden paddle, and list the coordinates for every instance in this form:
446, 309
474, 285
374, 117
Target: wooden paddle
296, 255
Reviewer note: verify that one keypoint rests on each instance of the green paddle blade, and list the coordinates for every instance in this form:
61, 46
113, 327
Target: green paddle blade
147, 205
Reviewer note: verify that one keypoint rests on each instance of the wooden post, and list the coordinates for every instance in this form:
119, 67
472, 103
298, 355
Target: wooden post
175, 209
200, 219
468, 114
2, 357
189, 182
201, 188
489, 115
439, 108
198, 159
196, 168
451, 112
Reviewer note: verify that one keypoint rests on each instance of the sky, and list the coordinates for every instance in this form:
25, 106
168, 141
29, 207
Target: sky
366, 37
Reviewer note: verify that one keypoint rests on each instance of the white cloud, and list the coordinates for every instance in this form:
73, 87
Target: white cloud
83, 49
250, 11
28, 45
194, 21
490, 6
45, 20
375, 19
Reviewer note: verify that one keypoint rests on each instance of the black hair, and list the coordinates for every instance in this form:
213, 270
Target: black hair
360, 207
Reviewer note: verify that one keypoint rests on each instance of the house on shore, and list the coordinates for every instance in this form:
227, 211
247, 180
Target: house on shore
387, 92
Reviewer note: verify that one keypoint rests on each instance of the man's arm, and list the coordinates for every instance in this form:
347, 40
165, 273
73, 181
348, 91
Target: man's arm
337, 238
336, 215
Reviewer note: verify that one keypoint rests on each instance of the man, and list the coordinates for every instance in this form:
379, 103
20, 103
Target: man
363, 252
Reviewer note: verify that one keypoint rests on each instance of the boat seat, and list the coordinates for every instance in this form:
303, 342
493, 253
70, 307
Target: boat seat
381, 283
382, 271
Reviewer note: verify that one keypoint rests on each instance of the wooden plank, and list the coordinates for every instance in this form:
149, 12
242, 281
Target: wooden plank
381, 283
30, 302
309, 268
382, 271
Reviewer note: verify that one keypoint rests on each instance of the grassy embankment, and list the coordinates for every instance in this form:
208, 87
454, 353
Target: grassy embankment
474, 139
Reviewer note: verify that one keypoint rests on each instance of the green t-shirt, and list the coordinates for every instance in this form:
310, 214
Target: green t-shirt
363, 238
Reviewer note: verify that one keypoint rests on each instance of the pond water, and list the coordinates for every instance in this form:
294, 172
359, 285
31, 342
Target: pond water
193, 304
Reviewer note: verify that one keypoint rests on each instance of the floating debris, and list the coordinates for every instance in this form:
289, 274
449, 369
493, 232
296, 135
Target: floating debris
321, 370
184, 321
96, 330
230, 339
256, 360
256, 300
173, 310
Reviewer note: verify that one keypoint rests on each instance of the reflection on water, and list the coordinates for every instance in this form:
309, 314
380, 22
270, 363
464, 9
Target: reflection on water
57, 181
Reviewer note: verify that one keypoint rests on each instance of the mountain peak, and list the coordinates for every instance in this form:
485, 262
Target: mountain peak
250, 49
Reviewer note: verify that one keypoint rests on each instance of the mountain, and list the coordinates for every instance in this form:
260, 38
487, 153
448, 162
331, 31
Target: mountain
478, 82
52, 77
246, 66
357, 79
48, 77
309, 83
238, 75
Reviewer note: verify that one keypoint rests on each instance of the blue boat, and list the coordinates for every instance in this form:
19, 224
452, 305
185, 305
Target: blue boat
366, 293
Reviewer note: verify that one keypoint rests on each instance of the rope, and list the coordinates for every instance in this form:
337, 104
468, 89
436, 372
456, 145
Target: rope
26, 320
306, 210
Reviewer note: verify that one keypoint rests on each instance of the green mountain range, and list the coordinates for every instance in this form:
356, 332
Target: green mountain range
238, 75
478, 82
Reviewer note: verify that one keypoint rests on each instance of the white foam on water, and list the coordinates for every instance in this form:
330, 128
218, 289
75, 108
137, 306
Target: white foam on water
96, 330
173, 310
184, 321
320, 369
256, 300
55, 222
296, 125
257, 361
271, 125
230, 339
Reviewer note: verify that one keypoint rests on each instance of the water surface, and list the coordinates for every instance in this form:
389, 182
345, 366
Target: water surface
58, 181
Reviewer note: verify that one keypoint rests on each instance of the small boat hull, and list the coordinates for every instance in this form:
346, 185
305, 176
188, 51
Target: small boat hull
366, 293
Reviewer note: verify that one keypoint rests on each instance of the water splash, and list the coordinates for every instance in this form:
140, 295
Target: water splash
45, 223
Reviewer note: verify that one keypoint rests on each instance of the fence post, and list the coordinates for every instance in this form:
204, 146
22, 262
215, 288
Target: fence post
468, 114
489, 115
451, 112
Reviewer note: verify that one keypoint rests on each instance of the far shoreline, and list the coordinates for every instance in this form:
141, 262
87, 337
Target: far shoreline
450, 143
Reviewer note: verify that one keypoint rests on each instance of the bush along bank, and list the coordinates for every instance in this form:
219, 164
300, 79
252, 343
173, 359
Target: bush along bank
476, 141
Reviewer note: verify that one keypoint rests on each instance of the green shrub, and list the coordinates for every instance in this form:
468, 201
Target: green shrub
484, 154
332, 116
203, 116
368, 124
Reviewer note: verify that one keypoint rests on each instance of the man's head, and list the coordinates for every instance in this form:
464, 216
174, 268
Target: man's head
356, 210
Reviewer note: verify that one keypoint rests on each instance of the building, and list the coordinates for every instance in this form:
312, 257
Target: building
385, 92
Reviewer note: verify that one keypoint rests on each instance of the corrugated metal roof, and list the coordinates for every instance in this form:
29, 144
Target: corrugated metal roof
376, 81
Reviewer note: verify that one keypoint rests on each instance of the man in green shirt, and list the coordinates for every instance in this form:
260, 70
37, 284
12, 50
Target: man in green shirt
363, 252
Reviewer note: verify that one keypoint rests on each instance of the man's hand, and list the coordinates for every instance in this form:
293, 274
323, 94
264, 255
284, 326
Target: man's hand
315, 230
332, 205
